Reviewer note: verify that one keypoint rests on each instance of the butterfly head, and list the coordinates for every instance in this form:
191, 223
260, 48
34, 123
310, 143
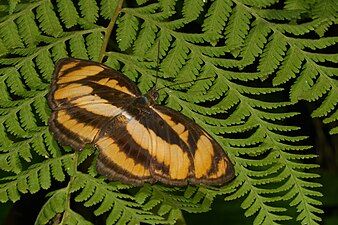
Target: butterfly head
150, 97
153, 94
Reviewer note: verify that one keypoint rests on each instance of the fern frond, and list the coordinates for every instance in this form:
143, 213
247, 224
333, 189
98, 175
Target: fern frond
45, 64
192, 8
59, 51
89, 10
122, 209
252, 52
126, 31
49, 23
78, 47
68, 13
312, 80
273, 54
10, 35
53, 206
314, 43
191, 69
236, 29
34, 178
216, 19
94, 42
107, 8
289, 68
28, 29
146, 38
275, 14
169, 205
175, 59
31, 76
254, 42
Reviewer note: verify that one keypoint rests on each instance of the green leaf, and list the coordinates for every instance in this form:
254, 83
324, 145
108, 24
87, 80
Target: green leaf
216, 18
49, 22
68, 13
224, 51
126, 31
89, 10
236, 29
107, 8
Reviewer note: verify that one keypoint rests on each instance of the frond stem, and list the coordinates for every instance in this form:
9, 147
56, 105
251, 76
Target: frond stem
109, 29
68, 188
180, 219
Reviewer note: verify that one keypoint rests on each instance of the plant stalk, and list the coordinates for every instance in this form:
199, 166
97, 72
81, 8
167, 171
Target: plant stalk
109, 29
180, 219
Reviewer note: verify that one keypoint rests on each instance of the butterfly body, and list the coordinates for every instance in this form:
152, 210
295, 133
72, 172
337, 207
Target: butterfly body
138, 140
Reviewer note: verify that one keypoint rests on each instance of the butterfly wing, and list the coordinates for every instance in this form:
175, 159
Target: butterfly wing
137, 143
84, 95
208, 162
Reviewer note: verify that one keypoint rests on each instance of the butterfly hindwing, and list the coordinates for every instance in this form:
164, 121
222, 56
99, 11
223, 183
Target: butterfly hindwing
138, 141
210, 164
171, 160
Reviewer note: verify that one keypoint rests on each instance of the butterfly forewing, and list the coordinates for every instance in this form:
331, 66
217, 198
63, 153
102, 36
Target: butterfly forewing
84, 96
137, 141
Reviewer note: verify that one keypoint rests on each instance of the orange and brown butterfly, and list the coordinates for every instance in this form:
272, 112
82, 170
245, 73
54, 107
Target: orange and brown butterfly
138, 140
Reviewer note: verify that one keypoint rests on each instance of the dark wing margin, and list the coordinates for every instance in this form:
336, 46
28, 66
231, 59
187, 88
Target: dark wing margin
210, 164
83, 96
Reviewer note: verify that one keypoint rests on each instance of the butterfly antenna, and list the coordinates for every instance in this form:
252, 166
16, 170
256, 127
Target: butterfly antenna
157, 63
186, 82
154, 89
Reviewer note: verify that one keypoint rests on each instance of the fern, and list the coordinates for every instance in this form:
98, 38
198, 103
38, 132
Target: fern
253, 53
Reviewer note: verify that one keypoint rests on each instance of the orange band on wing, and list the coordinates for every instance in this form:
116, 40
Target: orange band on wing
116, 155
67, 66
171, 155
84, 131
72, 91
79, 74
108, 82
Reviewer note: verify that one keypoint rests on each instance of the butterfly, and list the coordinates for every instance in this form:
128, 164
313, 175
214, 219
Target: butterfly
138, 141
